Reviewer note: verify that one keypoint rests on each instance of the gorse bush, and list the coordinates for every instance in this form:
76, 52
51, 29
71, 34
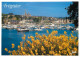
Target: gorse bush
47, 45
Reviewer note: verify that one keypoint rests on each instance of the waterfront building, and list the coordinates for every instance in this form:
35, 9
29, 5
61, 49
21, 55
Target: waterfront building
22, 22
13, 21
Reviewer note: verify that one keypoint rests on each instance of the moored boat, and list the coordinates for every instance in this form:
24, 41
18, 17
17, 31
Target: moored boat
22, 30
70, 28
9, 27
4, 26
38, 29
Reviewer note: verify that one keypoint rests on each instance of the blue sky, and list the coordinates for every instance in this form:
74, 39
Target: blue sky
50, 9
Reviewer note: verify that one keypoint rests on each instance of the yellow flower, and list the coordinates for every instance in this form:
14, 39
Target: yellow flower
36, 33
67, 54
25, 44
18, 46
44, 52
37, 41
24, 53
75, 49
36, 51
72, 32
40, 37
24, 35
59, 52
31, 52
64, 45
65, 32
13, 52
42, 48
21, 44
31, 37
6, 49
51, 52
60, 48
23, 38
77, 43
32, 47
28, 37
64, 51
32, 40
72, 36
9, 51
75, 38
64, 39
52, 48
13, 45
56, 54
47, 31
21, 48
28, 42
68, 49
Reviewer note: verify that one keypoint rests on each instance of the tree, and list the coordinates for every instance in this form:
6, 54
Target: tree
10, 16
72, 11
4, 16
37, 20
18, 17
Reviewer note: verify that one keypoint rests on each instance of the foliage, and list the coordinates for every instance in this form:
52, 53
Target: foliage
47, 45
30, 18
73, 12
38, 19
17, 16
10, 16
4, 16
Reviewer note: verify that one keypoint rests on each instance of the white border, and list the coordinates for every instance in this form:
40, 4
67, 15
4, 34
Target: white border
0, 28
37, 0
33, 1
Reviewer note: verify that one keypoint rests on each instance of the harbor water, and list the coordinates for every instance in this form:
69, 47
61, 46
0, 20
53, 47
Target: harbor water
13, 36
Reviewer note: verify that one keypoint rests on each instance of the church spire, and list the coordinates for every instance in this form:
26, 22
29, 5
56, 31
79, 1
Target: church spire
25, 13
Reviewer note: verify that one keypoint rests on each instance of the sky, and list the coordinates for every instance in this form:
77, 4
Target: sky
49, 9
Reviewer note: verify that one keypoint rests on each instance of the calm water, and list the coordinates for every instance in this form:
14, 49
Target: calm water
12, 36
